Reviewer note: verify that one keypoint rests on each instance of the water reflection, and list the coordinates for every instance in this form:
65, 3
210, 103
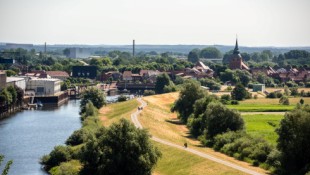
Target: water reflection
27, 135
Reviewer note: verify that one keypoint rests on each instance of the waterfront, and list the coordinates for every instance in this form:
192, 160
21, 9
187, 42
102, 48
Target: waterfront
27, 135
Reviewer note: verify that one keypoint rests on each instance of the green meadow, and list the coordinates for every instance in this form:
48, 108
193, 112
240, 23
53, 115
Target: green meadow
263, 125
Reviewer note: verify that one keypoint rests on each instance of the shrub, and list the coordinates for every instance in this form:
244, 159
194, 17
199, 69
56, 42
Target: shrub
284, 100
234, 102
302, 101
121, 98
148, 92
78, 137
294, 91
58, 155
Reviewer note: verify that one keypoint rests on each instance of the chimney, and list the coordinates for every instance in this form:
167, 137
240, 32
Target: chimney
133, 48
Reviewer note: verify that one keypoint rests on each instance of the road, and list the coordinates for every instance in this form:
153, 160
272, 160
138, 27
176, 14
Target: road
134, 118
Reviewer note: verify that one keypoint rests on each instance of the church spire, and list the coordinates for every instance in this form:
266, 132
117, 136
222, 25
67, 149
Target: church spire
236, 50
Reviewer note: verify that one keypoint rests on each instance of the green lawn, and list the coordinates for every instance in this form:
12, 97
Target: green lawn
261, 107
264, 126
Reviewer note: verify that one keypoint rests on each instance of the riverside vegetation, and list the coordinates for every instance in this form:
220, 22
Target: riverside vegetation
95, 149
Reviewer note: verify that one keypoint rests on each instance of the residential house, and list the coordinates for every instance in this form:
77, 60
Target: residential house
127, 76
62, 75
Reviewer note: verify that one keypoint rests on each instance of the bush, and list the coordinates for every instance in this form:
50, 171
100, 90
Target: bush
302, 101
170, 88
308, 85
58, 155
284, 100
294, 91
234, 102
148, 92
78, 137
226, 97
121, 98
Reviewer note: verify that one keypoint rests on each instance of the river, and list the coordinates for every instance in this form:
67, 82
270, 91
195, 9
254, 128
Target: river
26, 136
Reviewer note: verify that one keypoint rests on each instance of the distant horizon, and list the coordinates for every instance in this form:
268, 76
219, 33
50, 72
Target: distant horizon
148, 44
258, 23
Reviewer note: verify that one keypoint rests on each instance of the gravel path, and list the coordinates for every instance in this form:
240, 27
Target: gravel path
134, 118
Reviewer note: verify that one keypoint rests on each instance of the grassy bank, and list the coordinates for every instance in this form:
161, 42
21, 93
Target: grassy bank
114, 112
178, 162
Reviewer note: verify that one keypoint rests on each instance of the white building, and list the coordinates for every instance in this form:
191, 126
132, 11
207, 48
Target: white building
44, 86
18, 81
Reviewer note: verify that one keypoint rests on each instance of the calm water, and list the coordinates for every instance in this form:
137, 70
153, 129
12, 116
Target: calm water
27, 135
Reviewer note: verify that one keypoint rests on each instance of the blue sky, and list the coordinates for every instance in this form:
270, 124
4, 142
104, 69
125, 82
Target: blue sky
257, 22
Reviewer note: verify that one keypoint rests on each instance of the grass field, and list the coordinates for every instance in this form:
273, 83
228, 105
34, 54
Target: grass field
160, 122
261, 107
267, 105
114, 112
178, 162
263, 126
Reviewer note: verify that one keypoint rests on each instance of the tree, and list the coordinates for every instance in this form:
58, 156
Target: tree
220, 119
210, 52
94, 95
294, 141
239, 92
244, 77
162, 81
197, 121
10, 73
59, 154
284, 100
120, 149
190, 92
193, 56
7, 166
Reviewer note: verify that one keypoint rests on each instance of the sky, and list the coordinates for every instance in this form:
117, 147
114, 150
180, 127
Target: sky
207, 22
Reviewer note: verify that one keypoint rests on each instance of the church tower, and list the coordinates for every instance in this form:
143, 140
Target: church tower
236, 59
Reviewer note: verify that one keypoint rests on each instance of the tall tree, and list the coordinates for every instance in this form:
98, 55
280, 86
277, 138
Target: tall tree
96, 96
193, 56
210, 52
221, 119
239, 92
190, 92
294, 141
120, 149
162, 81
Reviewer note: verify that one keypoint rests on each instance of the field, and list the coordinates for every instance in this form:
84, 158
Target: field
173, 161
264, 126
267, 105
178, 162
114, 112
160, 122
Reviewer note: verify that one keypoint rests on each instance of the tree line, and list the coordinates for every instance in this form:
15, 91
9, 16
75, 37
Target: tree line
223, 129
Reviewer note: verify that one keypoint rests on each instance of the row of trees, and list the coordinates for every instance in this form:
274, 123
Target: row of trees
10, 97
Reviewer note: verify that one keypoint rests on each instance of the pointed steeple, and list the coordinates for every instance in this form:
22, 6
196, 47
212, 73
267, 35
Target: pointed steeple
236, 50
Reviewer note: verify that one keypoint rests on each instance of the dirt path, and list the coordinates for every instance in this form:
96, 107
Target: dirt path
134, 118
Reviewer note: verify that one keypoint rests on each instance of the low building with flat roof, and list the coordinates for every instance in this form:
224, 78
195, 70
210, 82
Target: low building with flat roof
258, 87
44, 86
